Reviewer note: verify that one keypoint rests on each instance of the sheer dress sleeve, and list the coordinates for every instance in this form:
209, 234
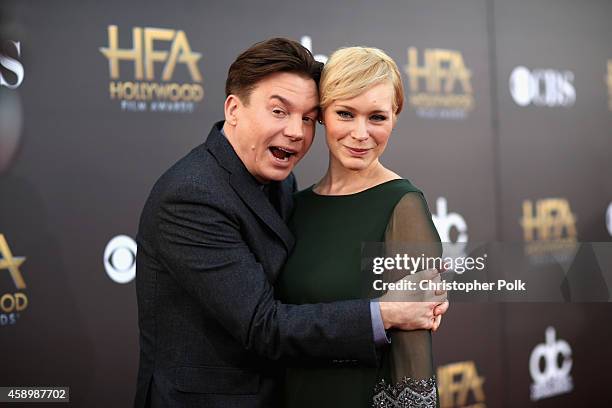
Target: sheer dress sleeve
410, 231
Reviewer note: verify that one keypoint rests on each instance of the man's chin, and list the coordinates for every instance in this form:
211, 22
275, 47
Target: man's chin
276, 174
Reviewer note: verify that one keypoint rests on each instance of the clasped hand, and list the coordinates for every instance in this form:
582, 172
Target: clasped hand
406, 309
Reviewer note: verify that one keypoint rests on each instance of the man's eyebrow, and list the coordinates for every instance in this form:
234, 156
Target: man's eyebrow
286, 102
313, 109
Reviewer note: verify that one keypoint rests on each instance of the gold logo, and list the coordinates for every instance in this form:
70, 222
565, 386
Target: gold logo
456, 382
8, 261
11, 303
548, 225
551, 220
142, 95
609, 81
447, 90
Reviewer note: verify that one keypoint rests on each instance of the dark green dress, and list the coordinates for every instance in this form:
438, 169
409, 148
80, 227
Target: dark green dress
325, 266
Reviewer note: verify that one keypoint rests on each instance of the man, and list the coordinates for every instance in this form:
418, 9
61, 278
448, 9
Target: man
212, 239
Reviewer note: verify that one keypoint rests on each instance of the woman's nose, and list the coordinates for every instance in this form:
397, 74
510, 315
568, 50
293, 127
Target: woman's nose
360, 132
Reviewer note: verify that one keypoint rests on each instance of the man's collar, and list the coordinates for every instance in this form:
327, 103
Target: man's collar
220, 127
246, 186
225, 154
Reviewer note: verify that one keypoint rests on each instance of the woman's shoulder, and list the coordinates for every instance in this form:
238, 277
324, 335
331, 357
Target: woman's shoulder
397, 184
402, 186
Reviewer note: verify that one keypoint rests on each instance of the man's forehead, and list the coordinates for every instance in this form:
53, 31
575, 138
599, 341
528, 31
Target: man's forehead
290, 88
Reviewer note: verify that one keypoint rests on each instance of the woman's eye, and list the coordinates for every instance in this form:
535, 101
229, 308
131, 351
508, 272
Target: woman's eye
378, 118
345, 114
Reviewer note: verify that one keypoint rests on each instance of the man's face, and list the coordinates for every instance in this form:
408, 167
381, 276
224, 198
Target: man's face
276, 128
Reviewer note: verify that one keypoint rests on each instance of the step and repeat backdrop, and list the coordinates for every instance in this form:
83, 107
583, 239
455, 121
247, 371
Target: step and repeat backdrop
507, 128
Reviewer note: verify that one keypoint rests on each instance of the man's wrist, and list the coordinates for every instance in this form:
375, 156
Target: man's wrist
378, 326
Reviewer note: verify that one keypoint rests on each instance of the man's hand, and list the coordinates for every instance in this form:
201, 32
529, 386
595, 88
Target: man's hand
412, 315
399, 310
438, 312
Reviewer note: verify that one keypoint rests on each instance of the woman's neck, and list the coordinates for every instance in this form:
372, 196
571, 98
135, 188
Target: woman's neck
338, 180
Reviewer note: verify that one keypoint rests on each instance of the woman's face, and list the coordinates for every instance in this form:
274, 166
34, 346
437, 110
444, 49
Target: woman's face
357, 129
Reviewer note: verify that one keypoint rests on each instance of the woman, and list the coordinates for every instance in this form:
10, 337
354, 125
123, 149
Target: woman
358, 200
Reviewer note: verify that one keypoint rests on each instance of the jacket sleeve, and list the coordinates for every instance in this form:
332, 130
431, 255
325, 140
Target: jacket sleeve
201, 245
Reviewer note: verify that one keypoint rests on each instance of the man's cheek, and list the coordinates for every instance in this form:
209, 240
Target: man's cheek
308, 145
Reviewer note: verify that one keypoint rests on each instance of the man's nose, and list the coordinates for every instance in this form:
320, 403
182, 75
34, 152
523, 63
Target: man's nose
295, 128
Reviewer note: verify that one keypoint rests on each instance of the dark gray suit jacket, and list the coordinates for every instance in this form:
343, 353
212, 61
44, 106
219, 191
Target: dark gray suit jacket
210, 246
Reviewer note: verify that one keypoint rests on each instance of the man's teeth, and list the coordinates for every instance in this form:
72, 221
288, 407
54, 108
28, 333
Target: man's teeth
280, 153
284, 150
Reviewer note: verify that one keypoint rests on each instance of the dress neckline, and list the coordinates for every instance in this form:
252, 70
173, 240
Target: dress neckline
311, 189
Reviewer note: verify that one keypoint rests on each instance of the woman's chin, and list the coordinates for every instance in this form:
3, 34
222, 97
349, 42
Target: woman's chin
354, 164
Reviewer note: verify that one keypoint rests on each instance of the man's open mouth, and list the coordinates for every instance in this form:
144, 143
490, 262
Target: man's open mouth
282, 153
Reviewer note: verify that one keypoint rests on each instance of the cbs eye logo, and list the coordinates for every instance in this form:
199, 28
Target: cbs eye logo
609, 219
120, 259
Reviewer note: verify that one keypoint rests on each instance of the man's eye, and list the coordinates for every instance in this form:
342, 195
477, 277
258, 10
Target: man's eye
308, 120
378, 118
278, 112
345, 114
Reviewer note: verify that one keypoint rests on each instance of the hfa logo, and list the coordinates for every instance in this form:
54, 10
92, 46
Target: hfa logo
444, 223
142, 94
550, 365
549, 225
609, 82
441, 86
11, 304
460, 385
10, 65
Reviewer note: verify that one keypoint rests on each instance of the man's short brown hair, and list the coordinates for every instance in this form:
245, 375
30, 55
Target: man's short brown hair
268, 57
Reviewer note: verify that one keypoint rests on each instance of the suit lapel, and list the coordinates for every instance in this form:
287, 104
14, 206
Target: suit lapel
257, 201
245, 185
285, 197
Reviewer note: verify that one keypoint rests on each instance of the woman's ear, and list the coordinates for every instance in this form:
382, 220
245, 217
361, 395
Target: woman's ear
231, 108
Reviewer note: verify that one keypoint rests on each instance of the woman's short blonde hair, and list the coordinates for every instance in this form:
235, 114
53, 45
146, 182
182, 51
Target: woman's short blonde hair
351, 71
